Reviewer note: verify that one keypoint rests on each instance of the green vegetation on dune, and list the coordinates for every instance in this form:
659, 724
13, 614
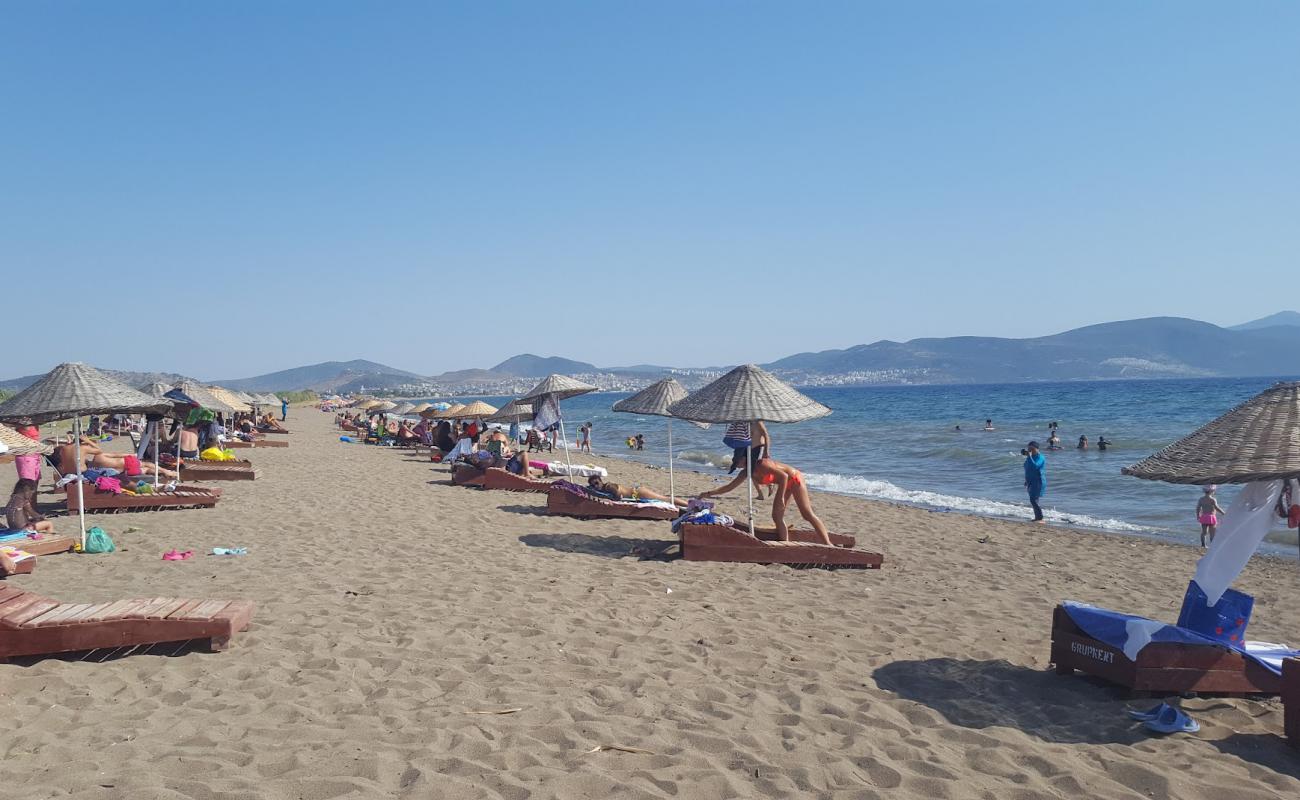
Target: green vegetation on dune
298, 397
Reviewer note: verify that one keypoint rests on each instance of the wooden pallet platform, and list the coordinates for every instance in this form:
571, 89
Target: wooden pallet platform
48, 545
1291, 701
185, 496
567, 503
733, 544
1161, 667
497, 478
32, 625
196, 470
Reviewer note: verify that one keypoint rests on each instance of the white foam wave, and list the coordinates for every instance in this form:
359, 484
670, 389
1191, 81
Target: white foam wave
719, 460
884, 490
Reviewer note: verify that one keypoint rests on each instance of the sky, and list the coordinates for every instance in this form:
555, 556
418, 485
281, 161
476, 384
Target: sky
227, 189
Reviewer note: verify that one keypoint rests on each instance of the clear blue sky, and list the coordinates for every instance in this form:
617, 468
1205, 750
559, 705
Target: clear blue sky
687, 183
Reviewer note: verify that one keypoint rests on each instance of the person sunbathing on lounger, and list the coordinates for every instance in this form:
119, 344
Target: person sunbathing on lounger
93, 456
789, 484
615, 491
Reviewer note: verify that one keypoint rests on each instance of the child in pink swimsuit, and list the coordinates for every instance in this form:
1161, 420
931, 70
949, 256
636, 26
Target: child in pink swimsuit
1207, 509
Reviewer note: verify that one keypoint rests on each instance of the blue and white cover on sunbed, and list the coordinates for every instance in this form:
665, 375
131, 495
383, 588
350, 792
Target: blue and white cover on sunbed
1131, 634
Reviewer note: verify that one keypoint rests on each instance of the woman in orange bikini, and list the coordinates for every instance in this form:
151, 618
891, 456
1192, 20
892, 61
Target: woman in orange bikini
790, 485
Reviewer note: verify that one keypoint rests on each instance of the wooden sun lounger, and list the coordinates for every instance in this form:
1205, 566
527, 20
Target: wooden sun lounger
768, 534
497, 478
195, 470
48, 545
32, 625
463, 474
1161, 667
566, 502
185, 496
723, 543
239, 444
1291, 701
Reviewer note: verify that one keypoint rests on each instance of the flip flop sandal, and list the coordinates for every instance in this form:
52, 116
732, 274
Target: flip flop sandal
1172, 720
1149, 714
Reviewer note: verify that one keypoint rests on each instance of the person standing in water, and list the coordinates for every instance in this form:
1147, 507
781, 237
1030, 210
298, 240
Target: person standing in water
1102, 444
1207, 511
1083, 443
1035, 478
988, 425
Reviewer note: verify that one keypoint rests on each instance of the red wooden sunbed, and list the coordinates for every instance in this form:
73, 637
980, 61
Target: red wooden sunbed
570, 501
497, 478
239, 444
33, 625
768, 534
724, 543
185, 496
1160, 667
193, 469
48, 544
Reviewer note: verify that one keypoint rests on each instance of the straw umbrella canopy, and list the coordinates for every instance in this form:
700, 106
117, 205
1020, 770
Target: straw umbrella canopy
382, 407
511, 412
561, 387
249, 399
654, 400
1258, 440
402, 409
475, 410
74, 390
228, 397
155, 389
449, 412
204, 397
16, 444
420, 408
746, 394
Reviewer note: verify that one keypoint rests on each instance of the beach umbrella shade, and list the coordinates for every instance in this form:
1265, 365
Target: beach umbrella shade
449, 412
155, 389
476, 409
228, 397
15, 444
402, 409
747, 394
1259, 440
204, 397
420, 408
561, 387
511, 412
73, 390
382, 407
654, 400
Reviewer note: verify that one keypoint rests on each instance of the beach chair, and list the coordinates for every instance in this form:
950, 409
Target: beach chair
32, 625
536, 441
15, 562
193, 469
570, 500
732, 543
463, 474
47, 545
184, 496
497, 478
1192, 664
1291, 701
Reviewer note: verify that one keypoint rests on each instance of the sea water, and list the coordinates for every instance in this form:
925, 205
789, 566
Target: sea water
901, 444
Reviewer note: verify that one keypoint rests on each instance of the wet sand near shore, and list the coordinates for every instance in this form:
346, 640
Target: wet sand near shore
416, 639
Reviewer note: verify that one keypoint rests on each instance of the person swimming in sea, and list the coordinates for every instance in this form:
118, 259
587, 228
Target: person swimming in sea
1102, 444
957, 429
988, 425
1083, 443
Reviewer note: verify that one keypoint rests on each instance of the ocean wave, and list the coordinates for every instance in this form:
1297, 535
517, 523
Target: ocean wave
719, 460
884, 490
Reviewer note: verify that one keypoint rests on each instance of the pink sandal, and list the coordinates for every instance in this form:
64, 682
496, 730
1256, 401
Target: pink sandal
173, 555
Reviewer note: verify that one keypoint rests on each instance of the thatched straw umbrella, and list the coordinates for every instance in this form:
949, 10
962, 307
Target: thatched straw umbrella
513, 411
16, 444
204, 397
420, 408
72, 391
654, 400
1258, 440
1256, 443
476, 409
748, 394
228, 397
559, 387
449, 412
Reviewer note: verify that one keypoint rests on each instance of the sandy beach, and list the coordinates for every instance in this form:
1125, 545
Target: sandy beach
396, 614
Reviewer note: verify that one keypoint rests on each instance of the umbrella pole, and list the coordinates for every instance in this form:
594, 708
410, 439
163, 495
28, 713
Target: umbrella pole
157, 443
81, 492
567, 461
672, 487
749, 482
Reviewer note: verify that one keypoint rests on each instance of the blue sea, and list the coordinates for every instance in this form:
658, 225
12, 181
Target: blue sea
899, 444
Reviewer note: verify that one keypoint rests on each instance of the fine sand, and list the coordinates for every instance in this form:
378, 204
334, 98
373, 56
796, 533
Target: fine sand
393, 609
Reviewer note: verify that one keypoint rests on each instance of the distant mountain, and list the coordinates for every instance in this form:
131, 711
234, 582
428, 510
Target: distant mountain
329, 376
1286, 318
1158, 347
531, 366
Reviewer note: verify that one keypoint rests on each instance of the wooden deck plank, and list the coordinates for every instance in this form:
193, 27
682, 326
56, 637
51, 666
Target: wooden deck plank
206, 609
40, 611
